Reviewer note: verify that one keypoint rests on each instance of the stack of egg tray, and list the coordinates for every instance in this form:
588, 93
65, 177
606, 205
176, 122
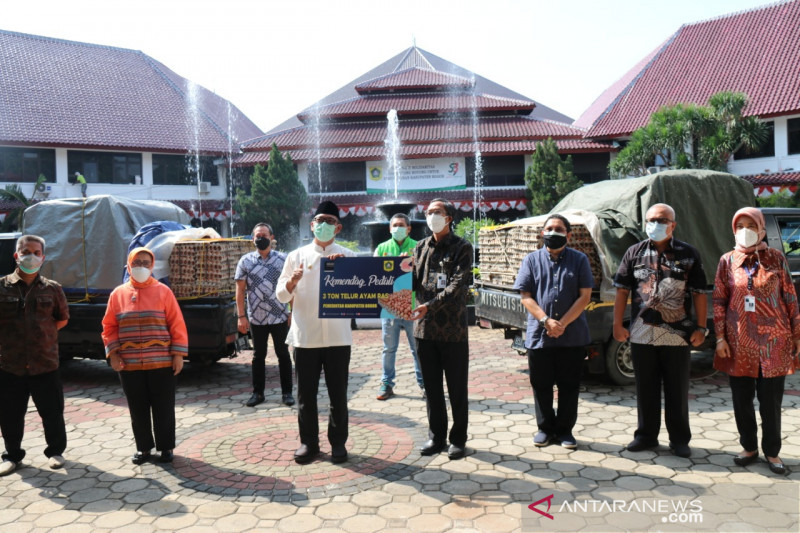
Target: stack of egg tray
503, 249
205, 267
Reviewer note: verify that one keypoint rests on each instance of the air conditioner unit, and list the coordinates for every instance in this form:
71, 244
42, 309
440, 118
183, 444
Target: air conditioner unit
653, 170
204, 187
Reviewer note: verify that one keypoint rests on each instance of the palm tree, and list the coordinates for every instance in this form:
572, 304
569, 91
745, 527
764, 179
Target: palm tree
13, 193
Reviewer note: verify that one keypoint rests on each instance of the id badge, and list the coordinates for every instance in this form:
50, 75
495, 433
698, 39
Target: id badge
441, 281
749, 304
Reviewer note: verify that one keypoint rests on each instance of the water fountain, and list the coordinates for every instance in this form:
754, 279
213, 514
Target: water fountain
230, 169
193, 164
379, 229
477, 191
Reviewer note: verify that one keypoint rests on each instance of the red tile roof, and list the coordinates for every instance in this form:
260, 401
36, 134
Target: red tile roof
416, 57
778, 178
414, 78
419, 151
756, 52
64, 93
416, 104
416, 131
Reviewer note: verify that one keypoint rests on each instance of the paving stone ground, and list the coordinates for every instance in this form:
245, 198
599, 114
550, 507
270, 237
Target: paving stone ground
234, 471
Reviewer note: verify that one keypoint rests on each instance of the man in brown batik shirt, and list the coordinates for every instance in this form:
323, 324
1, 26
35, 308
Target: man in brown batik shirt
441, 278
32, 310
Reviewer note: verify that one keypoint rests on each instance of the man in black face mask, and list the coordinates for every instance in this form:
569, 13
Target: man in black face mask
256, 275
556, 285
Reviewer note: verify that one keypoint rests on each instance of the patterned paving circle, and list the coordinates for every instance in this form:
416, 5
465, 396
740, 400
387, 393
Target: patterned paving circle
257, 454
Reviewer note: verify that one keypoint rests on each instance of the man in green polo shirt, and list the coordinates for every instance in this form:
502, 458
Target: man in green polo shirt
400, 245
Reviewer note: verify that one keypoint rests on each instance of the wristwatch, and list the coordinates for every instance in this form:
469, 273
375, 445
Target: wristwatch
543, 320
705, 330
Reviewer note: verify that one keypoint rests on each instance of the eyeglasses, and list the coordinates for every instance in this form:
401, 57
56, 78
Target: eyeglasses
326, 220
660, 220
140, 263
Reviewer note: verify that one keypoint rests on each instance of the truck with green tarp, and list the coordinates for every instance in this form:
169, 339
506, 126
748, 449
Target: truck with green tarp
607, 218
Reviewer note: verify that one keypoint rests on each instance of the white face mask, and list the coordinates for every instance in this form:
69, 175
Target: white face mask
745, 237
140, 274
436, 222
30, 264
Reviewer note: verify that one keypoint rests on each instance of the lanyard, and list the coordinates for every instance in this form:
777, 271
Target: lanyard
750, 273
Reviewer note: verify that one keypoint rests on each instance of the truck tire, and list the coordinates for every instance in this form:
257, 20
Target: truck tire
619, 363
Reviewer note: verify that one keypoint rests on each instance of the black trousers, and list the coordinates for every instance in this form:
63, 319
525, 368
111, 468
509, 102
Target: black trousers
770, 397
654, 365
48, 397
151, 402
561, 367
452, 360
309, 364
260, 337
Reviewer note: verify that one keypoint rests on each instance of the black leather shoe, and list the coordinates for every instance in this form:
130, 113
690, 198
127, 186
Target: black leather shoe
140, 458
638, 445
255, 399
778, 468
166, 456
287, 399
744, 460
681, 450
456, 452
305, 454
431, 448
338, 455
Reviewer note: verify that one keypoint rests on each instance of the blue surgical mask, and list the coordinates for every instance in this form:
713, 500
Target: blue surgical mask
655, 231
399, 233
324, 232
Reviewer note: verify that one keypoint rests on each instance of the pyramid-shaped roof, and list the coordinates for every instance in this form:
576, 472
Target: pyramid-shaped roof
441, 113
756, 52
55, 92
420, 59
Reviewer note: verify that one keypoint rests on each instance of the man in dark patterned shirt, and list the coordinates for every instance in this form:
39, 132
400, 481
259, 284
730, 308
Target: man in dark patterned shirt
442, 275
666, 278
256, 276
32, 310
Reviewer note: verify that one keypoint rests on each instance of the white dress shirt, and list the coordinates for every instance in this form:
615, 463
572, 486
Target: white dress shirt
307, 329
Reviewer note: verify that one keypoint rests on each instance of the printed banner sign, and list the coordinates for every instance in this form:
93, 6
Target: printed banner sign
366, 287
416, 175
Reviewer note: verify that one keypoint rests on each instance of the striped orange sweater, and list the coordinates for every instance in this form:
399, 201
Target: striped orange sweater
145, 326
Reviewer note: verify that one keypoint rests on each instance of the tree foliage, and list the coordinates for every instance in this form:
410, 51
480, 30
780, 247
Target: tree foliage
779, 199
276, 197
549, 178
468, 228
692, 136
13, 193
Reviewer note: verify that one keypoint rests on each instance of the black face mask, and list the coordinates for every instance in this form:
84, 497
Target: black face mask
555, 242
262, 243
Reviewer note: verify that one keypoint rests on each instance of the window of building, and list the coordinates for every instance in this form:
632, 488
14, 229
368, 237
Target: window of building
767, 150
338, 177
173, 169
794, 135
24, 165
105, 167
498, 171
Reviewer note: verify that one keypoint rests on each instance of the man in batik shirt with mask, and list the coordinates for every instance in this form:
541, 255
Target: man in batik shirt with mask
256, 276
665, 277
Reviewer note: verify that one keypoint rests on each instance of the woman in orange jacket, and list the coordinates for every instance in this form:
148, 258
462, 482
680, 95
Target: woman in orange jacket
146, 340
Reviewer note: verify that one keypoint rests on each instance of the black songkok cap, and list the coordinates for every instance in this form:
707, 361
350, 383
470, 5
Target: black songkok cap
327, 208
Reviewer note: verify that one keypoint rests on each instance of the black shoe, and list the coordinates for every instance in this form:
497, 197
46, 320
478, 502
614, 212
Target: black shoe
744, 460
681, 450
778, 468
287, 399
305, 454
638, 445
255, 399
338, 455
166, 456
456, 452
140, 457
431, 448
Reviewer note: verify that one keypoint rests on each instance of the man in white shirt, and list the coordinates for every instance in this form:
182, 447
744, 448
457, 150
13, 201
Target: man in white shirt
319, 343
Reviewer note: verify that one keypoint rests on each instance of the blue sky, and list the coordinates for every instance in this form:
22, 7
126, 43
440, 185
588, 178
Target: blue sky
274, 58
